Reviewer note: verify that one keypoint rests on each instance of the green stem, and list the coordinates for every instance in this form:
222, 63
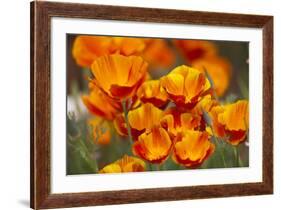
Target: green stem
221, 152
220, 149
127, 122
237, 157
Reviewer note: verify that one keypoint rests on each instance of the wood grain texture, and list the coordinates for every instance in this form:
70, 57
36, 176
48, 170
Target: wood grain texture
41, 14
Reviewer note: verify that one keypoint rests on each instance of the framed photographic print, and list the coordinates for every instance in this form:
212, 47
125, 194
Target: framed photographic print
141, 105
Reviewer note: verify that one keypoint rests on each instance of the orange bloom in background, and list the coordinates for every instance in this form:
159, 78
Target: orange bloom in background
192, 148
88, 48
153, 146
176, 121
219, 70
129, 45
158, 53
231, 121
152, 92
119, 76
196, 49
125, 164
100, 131
99, 104
185, 86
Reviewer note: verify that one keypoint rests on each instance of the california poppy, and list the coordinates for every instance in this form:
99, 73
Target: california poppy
153, 146
152, 92
119, 76
88, 48
125, 164
192, 148
231, 121
186, 86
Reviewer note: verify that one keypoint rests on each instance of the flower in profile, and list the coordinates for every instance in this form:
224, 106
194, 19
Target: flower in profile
100, 130
158, 53
196, 49
219, 70
186, 86
119, 76
88, 48
153, 146
125, 164
231, 121
152, 92
192, 148
98, 103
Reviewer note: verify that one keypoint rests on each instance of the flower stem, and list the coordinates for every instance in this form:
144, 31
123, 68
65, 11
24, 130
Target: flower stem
127, 122
221, 152
237, 157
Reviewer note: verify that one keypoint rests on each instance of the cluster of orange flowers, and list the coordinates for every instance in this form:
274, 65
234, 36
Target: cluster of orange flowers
175, 115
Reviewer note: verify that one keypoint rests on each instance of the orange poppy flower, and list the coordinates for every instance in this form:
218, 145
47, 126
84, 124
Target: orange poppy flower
185, 86
119, 76
100, 131
99, 104
141, 119
196, 49
88, 48
125, 164
152, 92
158, 53
231, 121
219, 70
176, 121
193, 148
153, 146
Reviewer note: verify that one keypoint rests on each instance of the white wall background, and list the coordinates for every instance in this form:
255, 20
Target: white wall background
14, 105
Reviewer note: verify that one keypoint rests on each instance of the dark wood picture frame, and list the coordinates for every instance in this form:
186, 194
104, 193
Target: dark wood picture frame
41, 14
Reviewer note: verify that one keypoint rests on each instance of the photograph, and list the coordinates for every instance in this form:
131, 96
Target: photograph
147, 104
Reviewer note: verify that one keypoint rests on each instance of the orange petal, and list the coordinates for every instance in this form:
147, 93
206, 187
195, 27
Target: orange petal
118, 74
218, 128
125, 164
236, 137
131, 164
235, 116
193, 149
154, 146
129, 46
185, 85
145, 117
152, 92
87, 48
98, 103
120, 125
